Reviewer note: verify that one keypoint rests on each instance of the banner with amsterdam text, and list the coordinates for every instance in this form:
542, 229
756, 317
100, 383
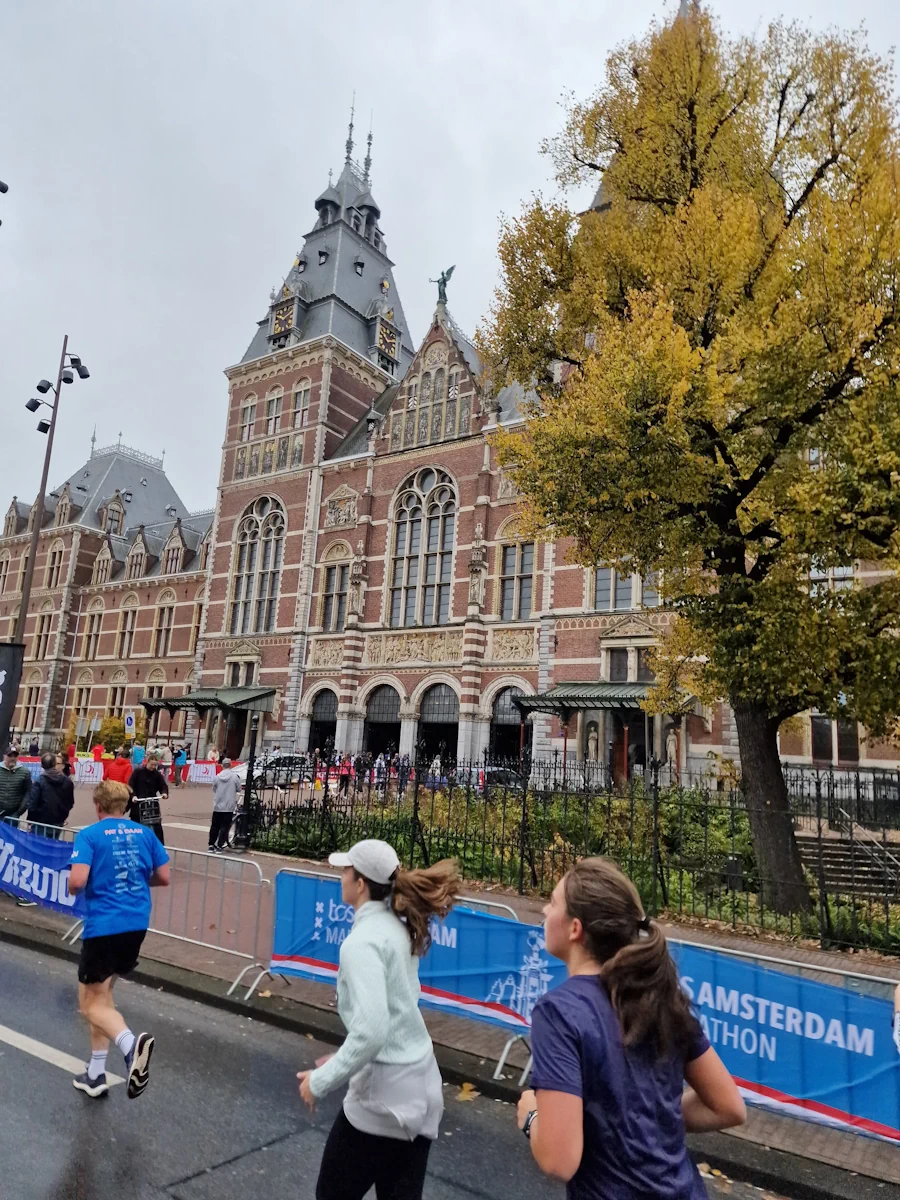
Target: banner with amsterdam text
489, 968
37, 868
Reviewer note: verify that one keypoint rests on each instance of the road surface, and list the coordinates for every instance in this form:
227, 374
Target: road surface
221, 1118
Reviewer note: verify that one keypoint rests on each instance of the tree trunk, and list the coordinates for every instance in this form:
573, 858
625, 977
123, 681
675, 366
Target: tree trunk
782, 885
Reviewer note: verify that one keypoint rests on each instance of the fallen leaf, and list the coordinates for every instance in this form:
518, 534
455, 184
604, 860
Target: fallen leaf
265, 994
467, 1092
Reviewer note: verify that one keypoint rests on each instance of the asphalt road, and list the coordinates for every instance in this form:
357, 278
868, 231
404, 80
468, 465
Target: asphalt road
221, 1118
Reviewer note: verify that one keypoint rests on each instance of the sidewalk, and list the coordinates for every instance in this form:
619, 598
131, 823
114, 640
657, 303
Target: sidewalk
186, 820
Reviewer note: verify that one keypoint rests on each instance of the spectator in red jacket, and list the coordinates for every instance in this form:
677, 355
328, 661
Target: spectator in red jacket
120, 768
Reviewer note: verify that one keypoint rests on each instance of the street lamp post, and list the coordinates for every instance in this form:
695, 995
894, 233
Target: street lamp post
69, 365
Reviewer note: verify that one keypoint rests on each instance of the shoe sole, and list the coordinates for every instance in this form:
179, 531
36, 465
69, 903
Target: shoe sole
94, 1093
139, 1075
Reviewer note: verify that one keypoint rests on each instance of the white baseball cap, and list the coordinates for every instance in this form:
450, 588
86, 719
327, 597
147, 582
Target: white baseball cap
374, 860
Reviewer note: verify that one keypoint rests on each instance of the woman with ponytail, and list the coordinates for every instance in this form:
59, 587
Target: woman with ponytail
613, 1047
394, 1104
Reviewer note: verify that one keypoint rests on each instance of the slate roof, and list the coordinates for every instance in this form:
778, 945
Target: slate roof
357, 440
124, 470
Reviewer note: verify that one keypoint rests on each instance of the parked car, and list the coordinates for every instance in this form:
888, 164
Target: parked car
488, 779
277, 770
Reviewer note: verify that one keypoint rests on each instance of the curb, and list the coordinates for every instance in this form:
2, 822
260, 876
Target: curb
737, 1158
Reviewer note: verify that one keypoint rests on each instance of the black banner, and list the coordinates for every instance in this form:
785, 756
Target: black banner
11, 656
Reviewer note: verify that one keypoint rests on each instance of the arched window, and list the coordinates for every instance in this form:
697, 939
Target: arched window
9, 525
172, 559
102, 566
165, 623
324, 721
381, 733
257, 567
127, 625
422, 565
273, 411
335, 584
54, 564
301, 403
507, 735
134, 568
516, 581
4, 570
438, 723
62, 511
92, 632
248, 418
42, 630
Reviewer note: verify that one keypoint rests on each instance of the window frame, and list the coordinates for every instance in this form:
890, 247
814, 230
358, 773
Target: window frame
164, 625
302, 394
335, 593
274, 404
511, 584
92, 633
256, 567
126, 631
247, 420
43, 629
420, 579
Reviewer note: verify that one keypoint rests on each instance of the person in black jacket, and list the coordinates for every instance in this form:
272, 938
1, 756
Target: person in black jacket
147, 782
52, 797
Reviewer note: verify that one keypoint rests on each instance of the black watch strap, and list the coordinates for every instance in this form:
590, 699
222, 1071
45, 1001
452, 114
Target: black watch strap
529, 1121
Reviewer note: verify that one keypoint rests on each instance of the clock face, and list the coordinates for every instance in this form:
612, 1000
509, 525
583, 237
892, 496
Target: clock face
387, 340
284, 318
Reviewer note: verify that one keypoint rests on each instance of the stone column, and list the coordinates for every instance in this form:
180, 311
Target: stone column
408, 729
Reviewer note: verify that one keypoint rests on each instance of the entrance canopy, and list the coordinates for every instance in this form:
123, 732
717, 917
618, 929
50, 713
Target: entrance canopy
224, 699
568, 698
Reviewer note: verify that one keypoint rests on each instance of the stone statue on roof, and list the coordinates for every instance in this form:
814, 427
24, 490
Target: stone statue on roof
442, 280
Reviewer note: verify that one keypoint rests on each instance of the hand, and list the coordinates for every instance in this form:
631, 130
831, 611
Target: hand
306, 1091
527, 1104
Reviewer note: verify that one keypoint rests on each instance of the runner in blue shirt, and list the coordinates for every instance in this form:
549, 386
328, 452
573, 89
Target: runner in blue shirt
115, 862
613, 1047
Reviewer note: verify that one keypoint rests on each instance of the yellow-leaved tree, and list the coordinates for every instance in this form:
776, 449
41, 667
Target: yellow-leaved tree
728, 411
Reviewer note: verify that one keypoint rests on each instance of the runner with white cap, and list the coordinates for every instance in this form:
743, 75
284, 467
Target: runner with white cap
394, 1104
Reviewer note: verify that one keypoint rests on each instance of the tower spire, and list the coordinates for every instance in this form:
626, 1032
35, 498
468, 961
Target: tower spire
367, 165
349, 144
93, 441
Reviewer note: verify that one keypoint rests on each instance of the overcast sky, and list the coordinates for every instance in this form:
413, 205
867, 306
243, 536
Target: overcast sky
163, 157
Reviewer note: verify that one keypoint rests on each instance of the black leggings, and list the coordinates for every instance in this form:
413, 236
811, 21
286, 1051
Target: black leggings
354, 1161
218, 830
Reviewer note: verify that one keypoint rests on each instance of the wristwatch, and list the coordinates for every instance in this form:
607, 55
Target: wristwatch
529, 1121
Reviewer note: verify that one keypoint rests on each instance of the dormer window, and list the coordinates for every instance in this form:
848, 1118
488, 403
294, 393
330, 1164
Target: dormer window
102, 567
326, 217
62, 512
301, 265
356, 222
172, 560
323, 257
115, 519
9, 527
135, 566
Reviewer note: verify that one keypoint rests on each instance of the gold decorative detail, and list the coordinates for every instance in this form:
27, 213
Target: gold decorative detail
513, 645
425, 647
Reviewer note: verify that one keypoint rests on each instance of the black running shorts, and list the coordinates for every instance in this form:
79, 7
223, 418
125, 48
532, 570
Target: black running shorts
115, 954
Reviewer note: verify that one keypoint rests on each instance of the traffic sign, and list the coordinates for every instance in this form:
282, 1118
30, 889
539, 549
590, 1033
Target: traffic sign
96, 722
129, 724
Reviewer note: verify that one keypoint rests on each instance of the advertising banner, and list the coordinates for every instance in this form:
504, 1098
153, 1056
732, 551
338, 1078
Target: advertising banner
804, 1048
11, 656
87, 770
202, 772
489, 968
37, 868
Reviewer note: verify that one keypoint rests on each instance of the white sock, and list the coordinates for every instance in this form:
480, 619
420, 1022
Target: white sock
97, 1065
125, 1041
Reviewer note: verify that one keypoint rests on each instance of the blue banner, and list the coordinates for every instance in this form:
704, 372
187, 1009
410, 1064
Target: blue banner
489, 968
804, 1048
37, 868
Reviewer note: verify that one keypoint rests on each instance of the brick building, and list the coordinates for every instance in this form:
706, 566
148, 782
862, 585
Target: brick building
362, 561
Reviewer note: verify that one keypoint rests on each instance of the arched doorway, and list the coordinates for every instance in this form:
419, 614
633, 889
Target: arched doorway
438, 724
381, 732
323, 726
507, 743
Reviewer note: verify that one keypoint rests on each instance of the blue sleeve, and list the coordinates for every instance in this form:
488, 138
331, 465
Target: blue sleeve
699, 1044
556, 1047
83, 849
158, 855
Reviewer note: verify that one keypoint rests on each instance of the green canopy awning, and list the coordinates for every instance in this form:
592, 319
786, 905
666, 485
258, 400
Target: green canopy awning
567, 698
226, 699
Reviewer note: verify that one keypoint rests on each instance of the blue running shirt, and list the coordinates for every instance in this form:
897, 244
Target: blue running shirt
122, 856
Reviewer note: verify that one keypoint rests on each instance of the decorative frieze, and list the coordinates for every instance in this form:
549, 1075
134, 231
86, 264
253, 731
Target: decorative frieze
513, 645
327, 654
340, 509
438, 646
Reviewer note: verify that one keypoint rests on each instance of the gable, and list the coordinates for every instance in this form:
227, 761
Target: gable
435, 401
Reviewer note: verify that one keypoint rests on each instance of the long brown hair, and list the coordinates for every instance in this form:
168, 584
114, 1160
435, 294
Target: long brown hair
638, 972
418, 896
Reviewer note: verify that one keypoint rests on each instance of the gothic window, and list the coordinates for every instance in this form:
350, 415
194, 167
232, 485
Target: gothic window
102, 566
273, 413
257, 567
650, 590
4, 570
334, 608
165, 620
134, 567
516, 579
172, 560
248, 420
42, 632
422, 562
54, 565
301, 403
127, 623
92, 633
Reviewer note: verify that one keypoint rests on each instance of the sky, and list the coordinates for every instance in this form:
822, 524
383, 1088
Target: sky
163, 157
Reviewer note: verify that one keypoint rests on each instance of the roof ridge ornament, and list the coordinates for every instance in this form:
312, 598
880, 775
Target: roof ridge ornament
349, 142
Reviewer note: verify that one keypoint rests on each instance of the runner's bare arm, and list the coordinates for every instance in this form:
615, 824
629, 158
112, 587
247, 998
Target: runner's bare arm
557, 1134
78, 877
161, 877
712, 1100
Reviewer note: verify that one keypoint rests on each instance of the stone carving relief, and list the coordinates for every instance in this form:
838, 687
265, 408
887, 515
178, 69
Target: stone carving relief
507, 489
477, 567
436, 355
327, 654
358, 576
340, 511
512, 645
426, 647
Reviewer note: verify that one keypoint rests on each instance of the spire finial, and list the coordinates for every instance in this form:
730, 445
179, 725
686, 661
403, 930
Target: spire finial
367, 165
93, 441
330, 173
349, 146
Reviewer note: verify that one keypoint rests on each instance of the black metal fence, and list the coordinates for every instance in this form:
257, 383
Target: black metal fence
686, 842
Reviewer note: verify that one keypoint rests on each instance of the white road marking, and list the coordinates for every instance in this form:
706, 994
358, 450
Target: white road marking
56, 1058
176, 825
